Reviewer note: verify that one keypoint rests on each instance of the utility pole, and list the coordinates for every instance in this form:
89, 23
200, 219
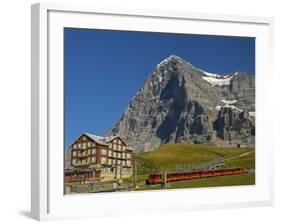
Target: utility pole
133, 174
135, 171
163, 174
93, 181
165, 179
121, 172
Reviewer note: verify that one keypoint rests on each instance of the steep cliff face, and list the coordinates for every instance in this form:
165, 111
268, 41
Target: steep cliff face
180, 103
242, 89
235, 127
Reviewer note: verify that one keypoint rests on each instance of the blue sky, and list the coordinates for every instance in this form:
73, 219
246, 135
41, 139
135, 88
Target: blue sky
104, 69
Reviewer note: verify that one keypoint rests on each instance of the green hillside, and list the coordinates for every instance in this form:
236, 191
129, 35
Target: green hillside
174, 156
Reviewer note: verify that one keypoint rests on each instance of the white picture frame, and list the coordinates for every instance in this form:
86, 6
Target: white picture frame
48, 200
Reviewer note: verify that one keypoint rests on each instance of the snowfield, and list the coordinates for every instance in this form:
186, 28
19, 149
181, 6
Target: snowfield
218, 81
229, 101
210, 74
252, 113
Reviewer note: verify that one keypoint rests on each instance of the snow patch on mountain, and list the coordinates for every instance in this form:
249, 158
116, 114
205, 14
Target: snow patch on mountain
210, 74
218, 107
252, 113
229, 101
218, 81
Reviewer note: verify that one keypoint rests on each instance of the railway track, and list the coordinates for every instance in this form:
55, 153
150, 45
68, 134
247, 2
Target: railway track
211, 170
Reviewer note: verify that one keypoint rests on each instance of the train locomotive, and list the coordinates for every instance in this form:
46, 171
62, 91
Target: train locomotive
158, 178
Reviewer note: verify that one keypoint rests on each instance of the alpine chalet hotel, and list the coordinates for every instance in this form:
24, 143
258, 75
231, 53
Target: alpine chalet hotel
99, 158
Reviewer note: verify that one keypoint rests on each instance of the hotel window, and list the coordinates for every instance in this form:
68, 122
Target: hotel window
110, 145
84, 145
84, 138
119, 142
123, 163
80, 145
128, 155
93, 151
93, 144
105, 170
119, 155
103, 151
88, 160
114, 146
93, 159
89, 151
123, 155
89, 144
124, 148
126, 171
74, 146
109, 161
118, 162
119, 147
114, 141
74, 161
103, 160
114, 154
74, 153
128, 163
109, 153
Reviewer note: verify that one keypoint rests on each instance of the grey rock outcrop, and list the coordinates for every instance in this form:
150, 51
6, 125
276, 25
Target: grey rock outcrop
242, 89
234, 127
181, 103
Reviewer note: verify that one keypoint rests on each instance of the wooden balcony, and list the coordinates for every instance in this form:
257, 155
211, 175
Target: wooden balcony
83, 155
82, 164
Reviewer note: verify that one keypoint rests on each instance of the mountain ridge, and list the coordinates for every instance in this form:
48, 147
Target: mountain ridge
180, 103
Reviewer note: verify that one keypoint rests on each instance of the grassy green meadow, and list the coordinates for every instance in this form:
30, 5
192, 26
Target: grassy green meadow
171, 157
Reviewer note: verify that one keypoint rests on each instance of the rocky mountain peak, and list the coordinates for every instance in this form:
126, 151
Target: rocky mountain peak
172, 60
181, 103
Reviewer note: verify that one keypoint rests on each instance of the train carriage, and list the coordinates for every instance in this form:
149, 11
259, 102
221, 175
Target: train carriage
157, 178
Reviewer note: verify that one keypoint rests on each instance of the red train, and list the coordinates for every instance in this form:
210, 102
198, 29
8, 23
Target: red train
156, 178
